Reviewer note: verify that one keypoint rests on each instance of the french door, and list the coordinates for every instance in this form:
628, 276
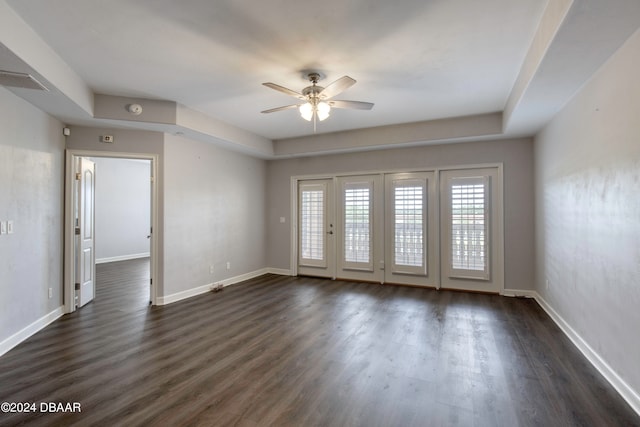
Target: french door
434, 229
316, 245
471, 229
410, 229
360, 228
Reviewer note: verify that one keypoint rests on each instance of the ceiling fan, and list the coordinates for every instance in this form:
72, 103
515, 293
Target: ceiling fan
317, 99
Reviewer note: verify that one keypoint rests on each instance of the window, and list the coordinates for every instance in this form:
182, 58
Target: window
312, 224
469, 225
357, 223
408, 225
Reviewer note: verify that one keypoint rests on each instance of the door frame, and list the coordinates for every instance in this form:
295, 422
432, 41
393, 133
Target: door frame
69, 226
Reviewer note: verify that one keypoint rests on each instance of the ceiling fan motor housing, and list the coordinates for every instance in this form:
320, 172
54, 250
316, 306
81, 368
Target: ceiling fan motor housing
312, 91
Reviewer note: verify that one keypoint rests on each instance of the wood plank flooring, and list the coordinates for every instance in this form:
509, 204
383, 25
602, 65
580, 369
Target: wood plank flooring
287, 351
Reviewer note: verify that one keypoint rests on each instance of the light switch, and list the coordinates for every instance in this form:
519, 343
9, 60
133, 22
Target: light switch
282, 220
3, 227
10, 227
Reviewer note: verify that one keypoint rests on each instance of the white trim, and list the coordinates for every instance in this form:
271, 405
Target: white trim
69, 258
179, 296
122, 258
518, 293
243, 277
628, 394
280, 271
293, 232
30, 330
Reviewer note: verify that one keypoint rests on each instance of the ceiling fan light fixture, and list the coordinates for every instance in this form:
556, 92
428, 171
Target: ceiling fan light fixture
306, 111
323, 110
317, 100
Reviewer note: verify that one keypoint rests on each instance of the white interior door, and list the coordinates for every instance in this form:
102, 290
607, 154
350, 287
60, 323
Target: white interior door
85, 231
471, 229
410, 229
359, 232
316, 229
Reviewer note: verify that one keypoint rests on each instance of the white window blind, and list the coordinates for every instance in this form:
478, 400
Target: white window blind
312, 224
357, 223
469, 224
408, 225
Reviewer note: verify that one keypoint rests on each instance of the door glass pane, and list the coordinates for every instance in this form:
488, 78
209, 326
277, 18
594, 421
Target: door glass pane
408, 226
468, 224
357, 229
312, 224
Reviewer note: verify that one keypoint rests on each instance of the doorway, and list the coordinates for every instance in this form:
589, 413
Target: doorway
85, 221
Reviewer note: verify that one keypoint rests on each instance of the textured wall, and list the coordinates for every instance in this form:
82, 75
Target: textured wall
214, 214
31, 194
587, 163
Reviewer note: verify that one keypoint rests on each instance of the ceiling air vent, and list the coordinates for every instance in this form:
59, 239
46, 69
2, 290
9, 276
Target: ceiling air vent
22, 80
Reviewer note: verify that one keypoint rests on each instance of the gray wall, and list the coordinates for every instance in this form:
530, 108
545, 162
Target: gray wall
123, 208
211, 206
517, 156
587, 162
215, 213
31, 194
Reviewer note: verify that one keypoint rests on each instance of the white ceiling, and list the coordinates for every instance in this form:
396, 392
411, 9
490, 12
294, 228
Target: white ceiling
417, 60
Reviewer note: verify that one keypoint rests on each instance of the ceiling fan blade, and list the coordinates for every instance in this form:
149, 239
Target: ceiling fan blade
339, 86
354, 105
286, 107
284, 90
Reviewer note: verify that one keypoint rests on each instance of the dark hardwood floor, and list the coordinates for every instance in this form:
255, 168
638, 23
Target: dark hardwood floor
288, 351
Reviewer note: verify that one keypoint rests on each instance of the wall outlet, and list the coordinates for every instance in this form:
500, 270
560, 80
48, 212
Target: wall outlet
211, 269
228, 265
3, 227
547, 283
10, 227
50, 293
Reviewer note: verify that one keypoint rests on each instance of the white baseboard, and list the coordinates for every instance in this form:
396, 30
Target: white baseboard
29, 330
628, 394
518, 293
243, 277
122, 258
279, 271
178, 296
